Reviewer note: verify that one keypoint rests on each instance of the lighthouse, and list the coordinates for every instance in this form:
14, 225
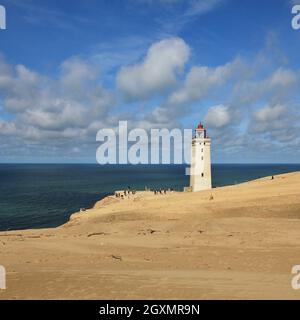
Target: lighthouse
200, 174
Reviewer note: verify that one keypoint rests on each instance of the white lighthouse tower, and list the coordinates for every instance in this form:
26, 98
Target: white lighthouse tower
200, 174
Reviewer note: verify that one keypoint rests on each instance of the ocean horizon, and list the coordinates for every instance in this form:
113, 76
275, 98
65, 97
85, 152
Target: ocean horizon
45, 195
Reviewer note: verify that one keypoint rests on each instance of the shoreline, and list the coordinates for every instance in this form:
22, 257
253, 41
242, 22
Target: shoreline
49, 202
103, 200
139, 192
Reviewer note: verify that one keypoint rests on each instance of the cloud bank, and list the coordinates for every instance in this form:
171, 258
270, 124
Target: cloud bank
163, 62
247, 105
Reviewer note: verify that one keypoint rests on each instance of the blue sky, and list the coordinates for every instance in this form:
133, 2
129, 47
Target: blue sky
70, 69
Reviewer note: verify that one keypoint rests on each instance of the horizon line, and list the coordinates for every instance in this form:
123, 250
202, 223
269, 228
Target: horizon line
140, 164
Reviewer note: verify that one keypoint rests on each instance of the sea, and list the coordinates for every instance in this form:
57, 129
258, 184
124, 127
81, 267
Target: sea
45, 195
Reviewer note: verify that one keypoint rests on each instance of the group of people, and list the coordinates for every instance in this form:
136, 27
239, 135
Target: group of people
126, 193
161, 191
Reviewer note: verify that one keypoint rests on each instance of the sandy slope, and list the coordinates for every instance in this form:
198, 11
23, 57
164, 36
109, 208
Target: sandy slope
240, 244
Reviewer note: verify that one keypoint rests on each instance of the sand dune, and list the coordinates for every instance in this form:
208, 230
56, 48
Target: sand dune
237, 242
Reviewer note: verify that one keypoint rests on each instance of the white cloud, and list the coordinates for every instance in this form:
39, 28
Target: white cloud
7, 128
276, 122
217, 116
281, 78
200, 81
164, 60
269, 113
202, 6
277, 85
45, 108
193, 7
76, 74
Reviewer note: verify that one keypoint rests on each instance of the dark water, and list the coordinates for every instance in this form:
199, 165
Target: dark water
38, 196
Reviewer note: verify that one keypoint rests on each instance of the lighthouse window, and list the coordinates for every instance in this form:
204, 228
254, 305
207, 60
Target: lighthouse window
201, 158
202, 175
202, 150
